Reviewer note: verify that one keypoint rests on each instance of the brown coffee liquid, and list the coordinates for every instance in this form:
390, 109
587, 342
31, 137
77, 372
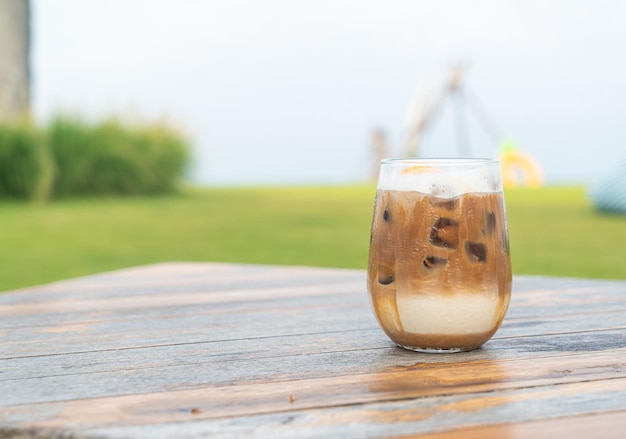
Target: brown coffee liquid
439, 272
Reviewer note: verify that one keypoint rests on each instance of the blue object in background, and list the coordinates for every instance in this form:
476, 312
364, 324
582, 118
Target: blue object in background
609, 194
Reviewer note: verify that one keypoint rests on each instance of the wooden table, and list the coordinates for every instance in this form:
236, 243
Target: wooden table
223, 350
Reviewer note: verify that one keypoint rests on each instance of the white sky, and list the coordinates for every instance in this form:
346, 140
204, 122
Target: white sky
288, 91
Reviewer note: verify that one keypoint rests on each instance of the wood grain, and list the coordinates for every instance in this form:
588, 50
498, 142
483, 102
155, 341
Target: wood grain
612, 427
227, 350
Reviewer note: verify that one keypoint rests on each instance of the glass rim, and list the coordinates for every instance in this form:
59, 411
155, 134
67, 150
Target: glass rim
439, 161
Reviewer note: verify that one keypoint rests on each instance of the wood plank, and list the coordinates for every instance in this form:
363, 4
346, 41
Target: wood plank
595, 426
369, 346
396, 418
82, 323
199, 328
558, 299
288, 352
319, 381
255, 322
163, 279
92, 292
141, 301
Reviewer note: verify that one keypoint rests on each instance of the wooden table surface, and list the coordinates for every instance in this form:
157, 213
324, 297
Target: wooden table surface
191, 350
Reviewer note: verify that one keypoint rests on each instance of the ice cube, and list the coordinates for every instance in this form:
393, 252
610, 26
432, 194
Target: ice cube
476, 251
445, 233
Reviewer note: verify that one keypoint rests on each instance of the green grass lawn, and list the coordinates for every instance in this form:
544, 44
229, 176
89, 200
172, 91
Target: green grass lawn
553, 230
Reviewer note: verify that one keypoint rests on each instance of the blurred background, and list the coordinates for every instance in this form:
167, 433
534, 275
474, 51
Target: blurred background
250, 131
281, 92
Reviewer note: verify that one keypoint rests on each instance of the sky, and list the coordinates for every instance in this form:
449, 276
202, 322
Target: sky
288, 92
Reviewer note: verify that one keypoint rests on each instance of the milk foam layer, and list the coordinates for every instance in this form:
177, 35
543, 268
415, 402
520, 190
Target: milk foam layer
444, 184
457, 314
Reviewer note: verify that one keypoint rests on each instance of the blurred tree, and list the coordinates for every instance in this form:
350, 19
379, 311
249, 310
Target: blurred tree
14, 58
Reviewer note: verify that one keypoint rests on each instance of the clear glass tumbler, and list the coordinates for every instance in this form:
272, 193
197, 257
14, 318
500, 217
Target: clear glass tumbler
439, 268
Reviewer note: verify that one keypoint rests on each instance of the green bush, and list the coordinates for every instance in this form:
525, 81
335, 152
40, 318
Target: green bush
72, 157
114, 158
25, 164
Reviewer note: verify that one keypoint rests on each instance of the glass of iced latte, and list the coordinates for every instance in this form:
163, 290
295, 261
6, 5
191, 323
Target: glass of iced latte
439, 271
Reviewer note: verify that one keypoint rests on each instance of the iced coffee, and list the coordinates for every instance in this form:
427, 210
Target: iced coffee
439, 272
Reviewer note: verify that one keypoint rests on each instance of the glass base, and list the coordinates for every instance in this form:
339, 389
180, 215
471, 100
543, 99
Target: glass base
436, 350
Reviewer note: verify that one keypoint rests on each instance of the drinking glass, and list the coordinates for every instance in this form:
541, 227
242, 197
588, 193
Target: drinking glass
439, 268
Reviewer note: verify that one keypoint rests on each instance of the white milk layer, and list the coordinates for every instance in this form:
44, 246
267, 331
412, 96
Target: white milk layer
436, 182
470, 313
